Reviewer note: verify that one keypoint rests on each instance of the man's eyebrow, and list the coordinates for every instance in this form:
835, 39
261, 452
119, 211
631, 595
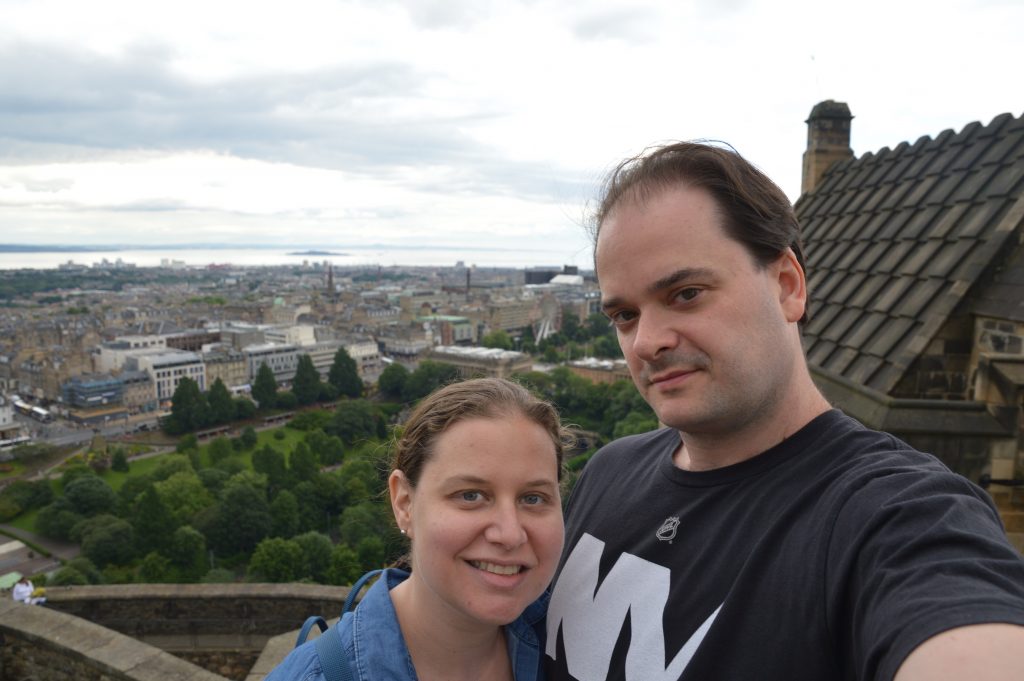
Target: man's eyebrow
668, 281
680, 275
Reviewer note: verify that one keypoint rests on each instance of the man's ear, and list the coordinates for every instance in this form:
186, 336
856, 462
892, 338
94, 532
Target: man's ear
401, 500
792, 285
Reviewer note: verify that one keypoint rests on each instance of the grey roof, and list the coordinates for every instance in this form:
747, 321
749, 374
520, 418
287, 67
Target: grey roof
896, 240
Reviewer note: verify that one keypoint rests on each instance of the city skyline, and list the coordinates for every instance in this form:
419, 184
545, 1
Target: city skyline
443, 123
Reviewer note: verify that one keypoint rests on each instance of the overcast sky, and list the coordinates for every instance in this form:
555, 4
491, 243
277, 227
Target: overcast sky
450, 122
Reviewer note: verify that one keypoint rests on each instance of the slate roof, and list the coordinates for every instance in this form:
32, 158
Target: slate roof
895, 240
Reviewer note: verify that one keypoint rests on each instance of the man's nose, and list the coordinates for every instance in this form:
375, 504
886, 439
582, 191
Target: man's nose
653, 336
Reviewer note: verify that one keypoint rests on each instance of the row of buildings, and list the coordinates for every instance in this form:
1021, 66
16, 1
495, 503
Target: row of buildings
128, 356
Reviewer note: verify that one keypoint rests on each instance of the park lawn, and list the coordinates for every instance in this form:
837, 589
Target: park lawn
138, 467
26, 521
291, 438
16, 469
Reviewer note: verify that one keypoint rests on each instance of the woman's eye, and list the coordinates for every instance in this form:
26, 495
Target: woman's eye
469, 495
533, 499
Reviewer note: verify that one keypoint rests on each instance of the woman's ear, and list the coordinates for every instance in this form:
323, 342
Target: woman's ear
401, 500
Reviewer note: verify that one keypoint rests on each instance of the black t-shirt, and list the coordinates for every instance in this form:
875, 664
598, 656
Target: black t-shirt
830, 556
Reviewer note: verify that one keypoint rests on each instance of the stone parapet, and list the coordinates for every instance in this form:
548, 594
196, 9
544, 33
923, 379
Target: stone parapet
46, 645
221, 627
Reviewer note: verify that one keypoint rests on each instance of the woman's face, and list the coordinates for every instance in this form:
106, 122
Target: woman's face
485, 519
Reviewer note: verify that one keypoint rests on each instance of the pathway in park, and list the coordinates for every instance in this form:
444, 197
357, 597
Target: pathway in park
25, 559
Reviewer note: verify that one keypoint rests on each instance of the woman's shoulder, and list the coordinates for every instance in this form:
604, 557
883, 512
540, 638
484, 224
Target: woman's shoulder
301, 664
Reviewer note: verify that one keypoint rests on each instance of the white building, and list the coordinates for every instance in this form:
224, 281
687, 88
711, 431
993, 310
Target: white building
367, 356
113, 355
282, 360
167, 368
291, 335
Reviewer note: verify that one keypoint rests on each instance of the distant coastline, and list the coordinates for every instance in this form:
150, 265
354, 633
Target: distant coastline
39, 256
33, 248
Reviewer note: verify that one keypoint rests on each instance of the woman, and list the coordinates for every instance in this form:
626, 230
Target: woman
475, 488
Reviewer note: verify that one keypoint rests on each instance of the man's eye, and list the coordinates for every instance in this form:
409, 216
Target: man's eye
688, 293
621, 317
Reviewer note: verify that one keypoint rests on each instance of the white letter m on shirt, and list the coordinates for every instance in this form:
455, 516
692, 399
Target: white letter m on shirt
592, 620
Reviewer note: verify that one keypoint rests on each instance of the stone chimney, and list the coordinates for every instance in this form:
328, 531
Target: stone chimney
828, 140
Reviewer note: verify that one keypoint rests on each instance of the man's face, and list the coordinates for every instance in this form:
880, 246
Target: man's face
705, 331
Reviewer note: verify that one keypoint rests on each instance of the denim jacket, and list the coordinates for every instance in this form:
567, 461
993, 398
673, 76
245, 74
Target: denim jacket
376, 650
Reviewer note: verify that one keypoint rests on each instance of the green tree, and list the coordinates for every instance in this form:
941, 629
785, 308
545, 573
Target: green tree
316, 554
306, 384
303, 463
222, 407
74, 472
244, 408
571, 326
213, 479
392, 381
355, 420
87, 525
189, 408
219, 449
187, 552
264, 388
284, 512
344, 566
242, 519
286, 400
249, 437
329, 448
271, 463
110, 543
497, 339
186, 443
634, 424
311, 419
359, 480
277, 560
344, 375
597, 325
607, 347
152, 521
428, 377
90, 495
155, 569
184, 495
371, 553
119, 462
361, 521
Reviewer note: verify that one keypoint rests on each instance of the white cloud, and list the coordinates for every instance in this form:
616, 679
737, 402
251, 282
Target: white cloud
397, 120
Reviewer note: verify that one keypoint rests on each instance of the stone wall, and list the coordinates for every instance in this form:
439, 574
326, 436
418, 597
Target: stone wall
40, 644
220, 627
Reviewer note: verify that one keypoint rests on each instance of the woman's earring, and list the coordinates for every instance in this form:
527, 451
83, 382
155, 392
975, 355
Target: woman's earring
402, 530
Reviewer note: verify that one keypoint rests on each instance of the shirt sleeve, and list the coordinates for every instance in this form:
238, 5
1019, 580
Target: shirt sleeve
911, 555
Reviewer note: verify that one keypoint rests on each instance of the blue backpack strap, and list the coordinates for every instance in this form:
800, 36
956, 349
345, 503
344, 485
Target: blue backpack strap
307, 626
356, 588
333, 660
329, 649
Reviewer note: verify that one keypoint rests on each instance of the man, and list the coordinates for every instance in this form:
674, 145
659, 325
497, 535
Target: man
762, 535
